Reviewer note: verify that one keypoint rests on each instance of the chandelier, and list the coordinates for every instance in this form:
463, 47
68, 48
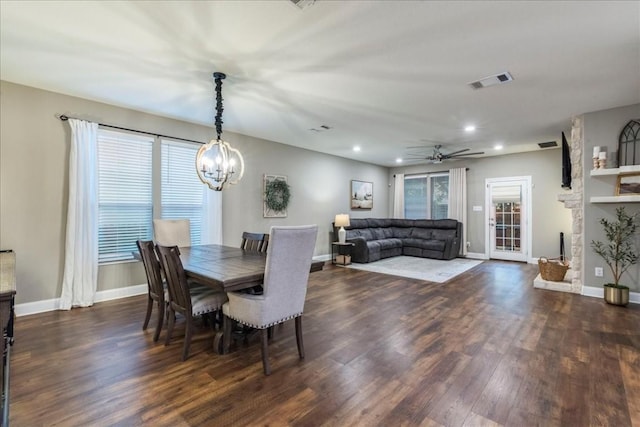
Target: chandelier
217, 163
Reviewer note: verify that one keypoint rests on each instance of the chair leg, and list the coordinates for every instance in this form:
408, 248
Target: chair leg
156, 336
187, 337
265, 352
171, 317
299, 337
148, 315
226, 338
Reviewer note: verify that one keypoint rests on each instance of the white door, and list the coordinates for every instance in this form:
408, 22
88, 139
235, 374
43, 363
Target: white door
508, 211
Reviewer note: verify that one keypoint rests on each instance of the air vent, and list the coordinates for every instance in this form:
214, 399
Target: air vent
303, 4
492, 80
547, 144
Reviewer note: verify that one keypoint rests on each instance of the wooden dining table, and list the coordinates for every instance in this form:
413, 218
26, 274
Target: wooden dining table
227, 267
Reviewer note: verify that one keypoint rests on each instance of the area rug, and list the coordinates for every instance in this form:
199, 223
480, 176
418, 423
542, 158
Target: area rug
432, 270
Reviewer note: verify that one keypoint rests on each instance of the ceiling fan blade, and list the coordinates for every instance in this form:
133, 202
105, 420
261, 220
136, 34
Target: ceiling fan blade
465, 154
456, 152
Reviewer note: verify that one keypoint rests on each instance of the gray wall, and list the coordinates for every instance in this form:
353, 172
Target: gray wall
34, 151
549, 216
602, 128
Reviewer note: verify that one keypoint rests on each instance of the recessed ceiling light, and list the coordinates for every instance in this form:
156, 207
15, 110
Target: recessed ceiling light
469, 128
356, 148
398, 160
498, 147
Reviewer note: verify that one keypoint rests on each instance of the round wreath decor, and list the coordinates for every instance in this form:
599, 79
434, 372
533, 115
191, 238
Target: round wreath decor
277, 195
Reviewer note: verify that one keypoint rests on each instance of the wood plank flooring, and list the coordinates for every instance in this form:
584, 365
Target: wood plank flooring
485, 349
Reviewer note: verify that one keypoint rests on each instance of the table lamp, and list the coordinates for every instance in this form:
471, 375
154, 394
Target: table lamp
342, 220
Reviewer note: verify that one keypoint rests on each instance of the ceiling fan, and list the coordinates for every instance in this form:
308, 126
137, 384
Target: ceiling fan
438, 156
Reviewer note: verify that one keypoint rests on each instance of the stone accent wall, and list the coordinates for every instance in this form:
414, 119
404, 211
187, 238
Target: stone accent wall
574, 201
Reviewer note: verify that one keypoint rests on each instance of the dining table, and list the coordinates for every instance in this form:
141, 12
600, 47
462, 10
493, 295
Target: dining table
227, 267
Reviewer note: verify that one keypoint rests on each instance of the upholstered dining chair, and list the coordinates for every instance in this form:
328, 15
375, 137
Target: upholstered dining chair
285, 287
156, 289
257, 242
169, 232
183, 299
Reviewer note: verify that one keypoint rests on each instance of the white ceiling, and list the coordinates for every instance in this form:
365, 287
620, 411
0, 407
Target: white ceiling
384, 75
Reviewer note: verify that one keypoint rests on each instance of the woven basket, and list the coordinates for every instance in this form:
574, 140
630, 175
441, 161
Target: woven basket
552, 269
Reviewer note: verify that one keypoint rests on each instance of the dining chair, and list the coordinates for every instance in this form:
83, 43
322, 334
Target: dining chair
188, 301
257, 242
169, 232
285, 287
156, 288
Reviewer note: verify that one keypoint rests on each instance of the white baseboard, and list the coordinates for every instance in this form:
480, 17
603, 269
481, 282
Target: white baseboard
591, 291
476, 255
326, 257
36, 307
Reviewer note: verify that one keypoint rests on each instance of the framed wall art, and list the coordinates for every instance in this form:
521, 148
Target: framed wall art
628, 184
276, 196
361, 194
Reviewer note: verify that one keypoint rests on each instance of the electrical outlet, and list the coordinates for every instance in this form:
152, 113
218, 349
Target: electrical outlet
599, 272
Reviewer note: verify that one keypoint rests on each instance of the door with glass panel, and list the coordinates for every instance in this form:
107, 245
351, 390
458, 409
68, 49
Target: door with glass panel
508, 218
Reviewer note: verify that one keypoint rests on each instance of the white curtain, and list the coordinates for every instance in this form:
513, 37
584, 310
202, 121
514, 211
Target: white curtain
211, 217
80, 278
398, 196
458, 202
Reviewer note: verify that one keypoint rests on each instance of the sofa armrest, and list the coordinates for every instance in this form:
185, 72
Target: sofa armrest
360, 252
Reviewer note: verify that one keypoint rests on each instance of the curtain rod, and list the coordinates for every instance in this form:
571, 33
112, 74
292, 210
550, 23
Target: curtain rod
430, 172
64, 118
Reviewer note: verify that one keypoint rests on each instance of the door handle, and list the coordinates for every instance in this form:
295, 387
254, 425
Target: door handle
492, 222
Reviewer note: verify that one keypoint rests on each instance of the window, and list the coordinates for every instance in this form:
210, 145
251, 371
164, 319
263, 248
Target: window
127, 164
125, 193
181, 189
426, 196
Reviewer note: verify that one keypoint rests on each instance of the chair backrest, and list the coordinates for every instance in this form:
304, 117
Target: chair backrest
169, 232
179, 294
151, 268
255, 242
287, 269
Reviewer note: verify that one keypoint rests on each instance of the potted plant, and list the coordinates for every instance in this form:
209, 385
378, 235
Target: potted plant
618, 252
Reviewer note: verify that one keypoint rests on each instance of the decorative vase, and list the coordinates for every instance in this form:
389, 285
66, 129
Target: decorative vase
616, 295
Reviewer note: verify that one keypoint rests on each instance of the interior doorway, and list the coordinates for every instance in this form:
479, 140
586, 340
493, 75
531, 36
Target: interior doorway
508, 218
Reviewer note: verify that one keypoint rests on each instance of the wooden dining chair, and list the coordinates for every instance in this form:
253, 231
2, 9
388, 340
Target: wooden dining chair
285, 287
188, 301
156, 289
169, 232
257, 242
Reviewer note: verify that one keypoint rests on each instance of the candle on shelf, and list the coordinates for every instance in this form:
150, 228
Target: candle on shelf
602, 159
596, 151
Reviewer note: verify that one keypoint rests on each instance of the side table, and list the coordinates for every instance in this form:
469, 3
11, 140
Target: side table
341, 253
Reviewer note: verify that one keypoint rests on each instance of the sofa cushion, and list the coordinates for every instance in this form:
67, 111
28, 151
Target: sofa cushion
435, 245
400, 232
439, 234
378, 233
379, 222
421, 233
389, 244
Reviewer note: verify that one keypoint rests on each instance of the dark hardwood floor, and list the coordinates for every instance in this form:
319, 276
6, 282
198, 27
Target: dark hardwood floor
486, 349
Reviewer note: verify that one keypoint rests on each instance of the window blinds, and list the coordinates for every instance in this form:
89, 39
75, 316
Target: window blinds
181, 190
125, 193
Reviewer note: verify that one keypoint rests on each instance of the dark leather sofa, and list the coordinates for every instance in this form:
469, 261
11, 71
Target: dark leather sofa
375, 238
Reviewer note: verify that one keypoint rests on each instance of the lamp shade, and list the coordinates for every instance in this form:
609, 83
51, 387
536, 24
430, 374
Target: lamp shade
342, 220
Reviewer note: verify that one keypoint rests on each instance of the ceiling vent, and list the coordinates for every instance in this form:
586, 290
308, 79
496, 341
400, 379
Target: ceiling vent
492, 80
547, 144
302, 4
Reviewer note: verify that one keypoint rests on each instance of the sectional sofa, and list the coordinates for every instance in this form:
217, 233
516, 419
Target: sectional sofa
377, 238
